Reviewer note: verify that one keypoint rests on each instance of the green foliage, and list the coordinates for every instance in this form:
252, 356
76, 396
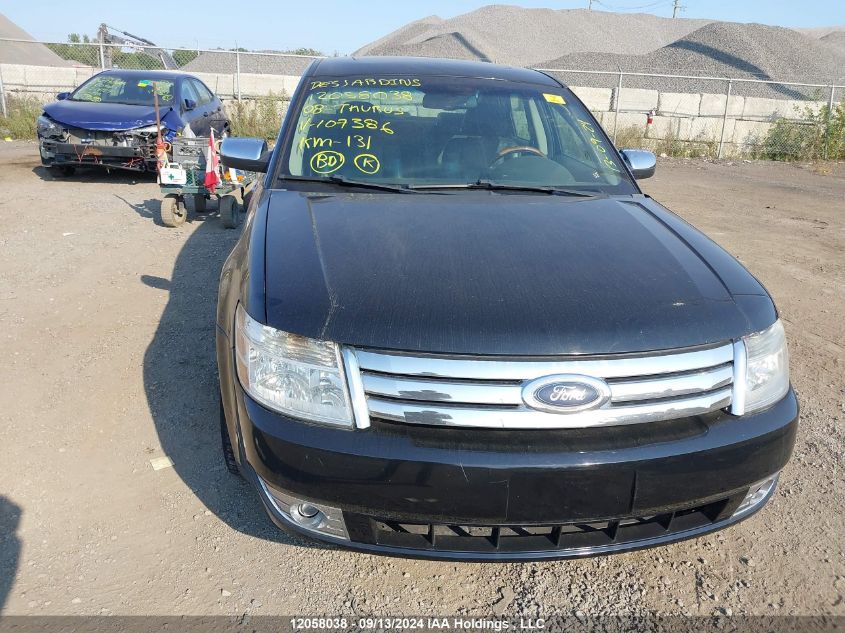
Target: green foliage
77, 52
818, 135
80, 50
261, 117
633, 137
135, 61
22, 113
184, 56
310, 52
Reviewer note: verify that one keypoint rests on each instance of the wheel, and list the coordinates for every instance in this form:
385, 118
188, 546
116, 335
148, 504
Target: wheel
228, 451
199, 203
229, 211
173, 211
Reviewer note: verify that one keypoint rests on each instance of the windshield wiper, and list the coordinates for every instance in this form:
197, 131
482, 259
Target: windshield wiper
346, 182
499, 186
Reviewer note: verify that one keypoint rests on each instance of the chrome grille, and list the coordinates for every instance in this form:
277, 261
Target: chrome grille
486, 392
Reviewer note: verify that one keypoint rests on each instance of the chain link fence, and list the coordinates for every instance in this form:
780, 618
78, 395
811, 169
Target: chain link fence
675, 115
683, 115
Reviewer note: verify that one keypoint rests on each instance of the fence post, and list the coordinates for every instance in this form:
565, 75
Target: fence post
238, 73
827, 123
616, 107
102, 56
725, 118
2, 95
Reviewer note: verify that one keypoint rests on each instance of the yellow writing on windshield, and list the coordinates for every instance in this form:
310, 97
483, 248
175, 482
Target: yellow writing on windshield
353, 123
327, 161
366, 81
598, 145
367, 163
364, 95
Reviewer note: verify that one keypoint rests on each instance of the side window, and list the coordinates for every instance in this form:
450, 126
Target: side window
519, 116
188, 92
203, 92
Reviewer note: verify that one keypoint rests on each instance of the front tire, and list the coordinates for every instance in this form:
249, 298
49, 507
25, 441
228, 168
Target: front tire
173, 211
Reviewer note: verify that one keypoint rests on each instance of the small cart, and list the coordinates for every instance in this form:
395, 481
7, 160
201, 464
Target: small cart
186, 177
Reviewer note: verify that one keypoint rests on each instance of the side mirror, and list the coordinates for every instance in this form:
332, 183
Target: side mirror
641, 163
62, 96
249, 154
190, 104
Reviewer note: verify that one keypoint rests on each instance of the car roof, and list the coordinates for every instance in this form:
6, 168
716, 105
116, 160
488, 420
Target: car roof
425, 66
146, 74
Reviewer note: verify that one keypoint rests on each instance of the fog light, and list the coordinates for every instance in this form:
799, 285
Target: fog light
757, 494
314, 517
307, 510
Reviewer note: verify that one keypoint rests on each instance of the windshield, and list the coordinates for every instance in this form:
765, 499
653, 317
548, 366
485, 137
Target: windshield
428, 131
113, 88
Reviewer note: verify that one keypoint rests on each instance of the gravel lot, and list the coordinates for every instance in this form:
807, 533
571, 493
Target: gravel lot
107, 331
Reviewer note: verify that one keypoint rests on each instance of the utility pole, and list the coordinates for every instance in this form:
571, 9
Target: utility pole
590, 5
677, 7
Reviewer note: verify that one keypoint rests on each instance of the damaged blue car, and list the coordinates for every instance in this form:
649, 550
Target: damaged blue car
110, 120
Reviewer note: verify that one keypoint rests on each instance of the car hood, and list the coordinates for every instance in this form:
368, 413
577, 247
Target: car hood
104, 116
500, 274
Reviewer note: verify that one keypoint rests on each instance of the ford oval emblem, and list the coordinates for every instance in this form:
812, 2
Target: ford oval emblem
565, 393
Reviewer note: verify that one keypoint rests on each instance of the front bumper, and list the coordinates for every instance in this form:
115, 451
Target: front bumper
503, 494
138, 155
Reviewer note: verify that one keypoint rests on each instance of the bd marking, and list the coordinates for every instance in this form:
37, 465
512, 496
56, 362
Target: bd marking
327, 161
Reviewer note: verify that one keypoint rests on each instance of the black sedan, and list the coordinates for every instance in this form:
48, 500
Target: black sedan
110, 120
455, 327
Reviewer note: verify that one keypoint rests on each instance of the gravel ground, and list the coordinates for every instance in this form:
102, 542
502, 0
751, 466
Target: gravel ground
107, 328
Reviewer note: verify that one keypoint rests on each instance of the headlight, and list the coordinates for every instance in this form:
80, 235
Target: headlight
291, 374
45, 126
766, 368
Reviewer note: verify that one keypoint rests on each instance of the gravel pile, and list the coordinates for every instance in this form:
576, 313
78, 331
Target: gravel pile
724, 49
836, 40
226, 62
524, 37
821, 31
598, 40
23, 52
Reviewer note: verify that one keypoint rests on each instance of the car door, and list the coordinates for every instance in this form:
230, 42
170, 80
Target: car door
213, 107
192, 116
